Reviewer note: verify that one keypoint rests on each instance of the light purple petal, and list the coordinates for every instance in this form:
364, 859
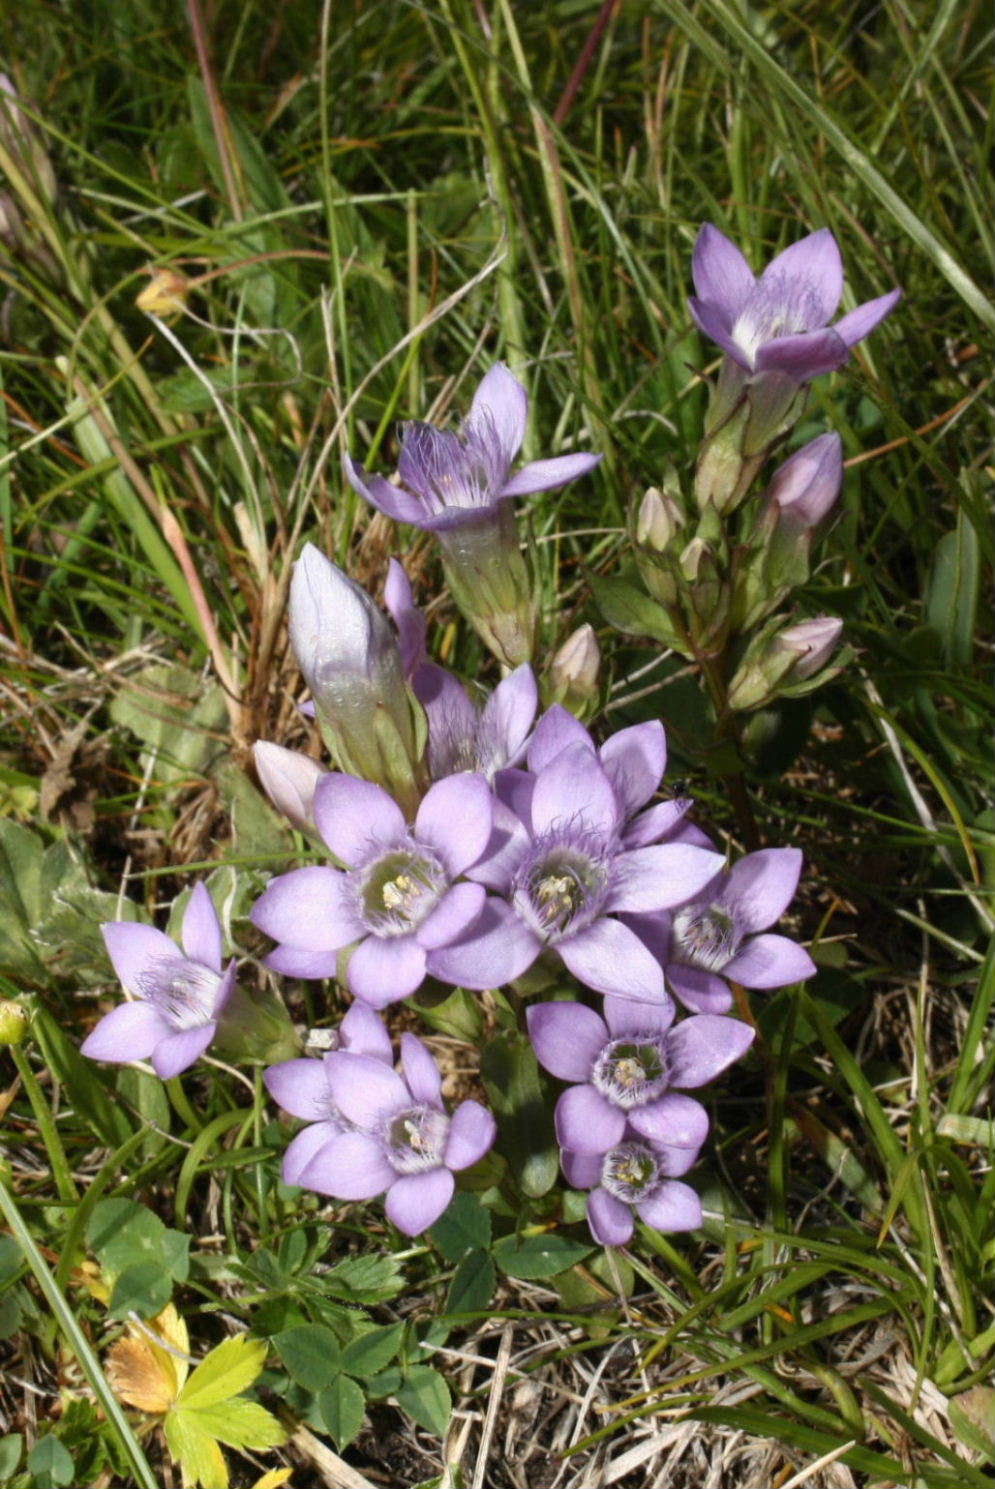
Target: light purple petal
711, 322
628, 1016
567, 1038
416, 1201
455, 818
573, 790
365, 1090
305, 1146
129, 1032
454, 914
610, 1220
356, 818
300, 1088
543, 475
665, 874
365, 1033
309, 909
555, 730
635, 760
610, 958
132, 948
471, 1133
179, 1051
500, 404
350, 1166
452, 717
509, 840
420, 1071
656, 822
581, 1170
394, 501
857, 324
760, 887
672, 1121
586, 1121
720, 272
673, 1207
293, 961
497, 949
383, 971
508, 716
807, 355
702, 992
815, 263
201, 933
409, 621
769, 961
703, 1045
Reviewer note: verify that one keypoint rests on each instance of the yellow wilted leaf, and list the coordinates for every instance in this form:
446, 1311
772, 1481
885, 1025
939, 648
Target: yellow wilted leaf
143, 1374
89, 1275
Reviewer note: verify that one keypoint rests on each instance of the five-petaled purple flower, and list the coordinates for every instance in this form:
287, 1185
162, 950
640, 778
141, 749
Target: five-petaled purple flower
715, 935
401, 1141
779, 322
450, 479
178, 994
634, 1175
301, 1088
397, 898
629, 1068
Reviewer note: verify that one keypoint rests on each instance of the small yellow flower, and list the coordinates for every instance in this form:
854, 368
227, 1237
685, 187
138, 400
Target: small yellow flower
165, 295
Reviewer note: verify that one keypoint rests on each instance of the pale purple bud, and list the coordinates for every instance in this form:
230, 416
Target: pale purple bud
576, 666
806, 486
812, 642
289, 780
658, 521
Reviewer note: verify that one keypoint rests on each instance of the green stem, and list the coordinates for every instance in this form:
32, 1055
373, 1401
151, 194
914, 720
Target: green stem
726, 730
61, 1171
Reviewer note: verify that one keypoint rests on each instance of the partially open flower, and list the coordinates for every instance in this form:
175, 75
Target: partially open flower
806, 486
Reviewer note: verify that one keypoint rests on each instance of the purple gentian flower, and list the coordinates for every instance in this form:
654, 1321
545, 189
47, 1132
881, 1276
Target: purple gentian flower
779, 322
464, 736
397, 898
632, 1064
301, 1088
804, 489
449, 480
401, 1141
715, 937
564, 871
178, 994
634, 1175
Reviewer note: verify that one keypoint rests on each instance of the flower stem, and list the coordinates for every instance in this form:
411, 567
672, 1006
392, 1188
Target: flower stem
61, 1171
727, 732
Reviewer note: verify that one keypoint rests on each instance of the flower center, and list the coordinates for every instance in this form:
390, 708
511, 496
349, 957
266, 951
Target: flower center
777, 307
184, 992
630, 1172
705, 936
631, 1071
443, 468
415, 1139
398, 890
560, 890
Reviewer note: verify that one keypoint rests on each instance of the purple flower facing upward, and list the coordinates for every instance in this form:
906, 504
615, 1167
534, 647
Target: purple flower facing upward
715, 937
635, 1175
178, 994
453, 479
632, 1064
779, 322
397, 898
401, 1139
301, 1088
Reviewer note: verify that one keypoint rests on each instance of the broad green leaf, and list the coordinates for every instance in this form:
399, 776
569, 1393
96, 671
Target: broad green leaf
365, 1279
50, 1463
473, 1284
175, 716
372, 1352
201, 1460
510, 1072
953, 590
463, 1227
538, 1256
425, 1397
11, 1448
311, 1354
143, 1288
122, 1233
629, 609
227, 1370
239, 1423
341, 1407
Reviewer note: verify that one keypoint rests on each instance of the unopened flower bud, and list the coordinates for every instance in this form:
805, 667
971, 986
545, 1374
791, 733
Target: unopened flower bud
13, 1022
812, 642
659, 520
575, 670
696, 554
289, 780
805, 487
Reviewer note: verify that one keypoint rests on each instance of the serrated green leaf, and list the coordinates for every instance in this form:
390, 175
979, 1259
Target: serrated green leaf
201, 1460
425, 1397
143, 1288
341, 1407
239, 1423
175, 717
464, 1226
311, 1354
372, 1352
538, 1256
473, 1284
227, 1370
365, 1279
